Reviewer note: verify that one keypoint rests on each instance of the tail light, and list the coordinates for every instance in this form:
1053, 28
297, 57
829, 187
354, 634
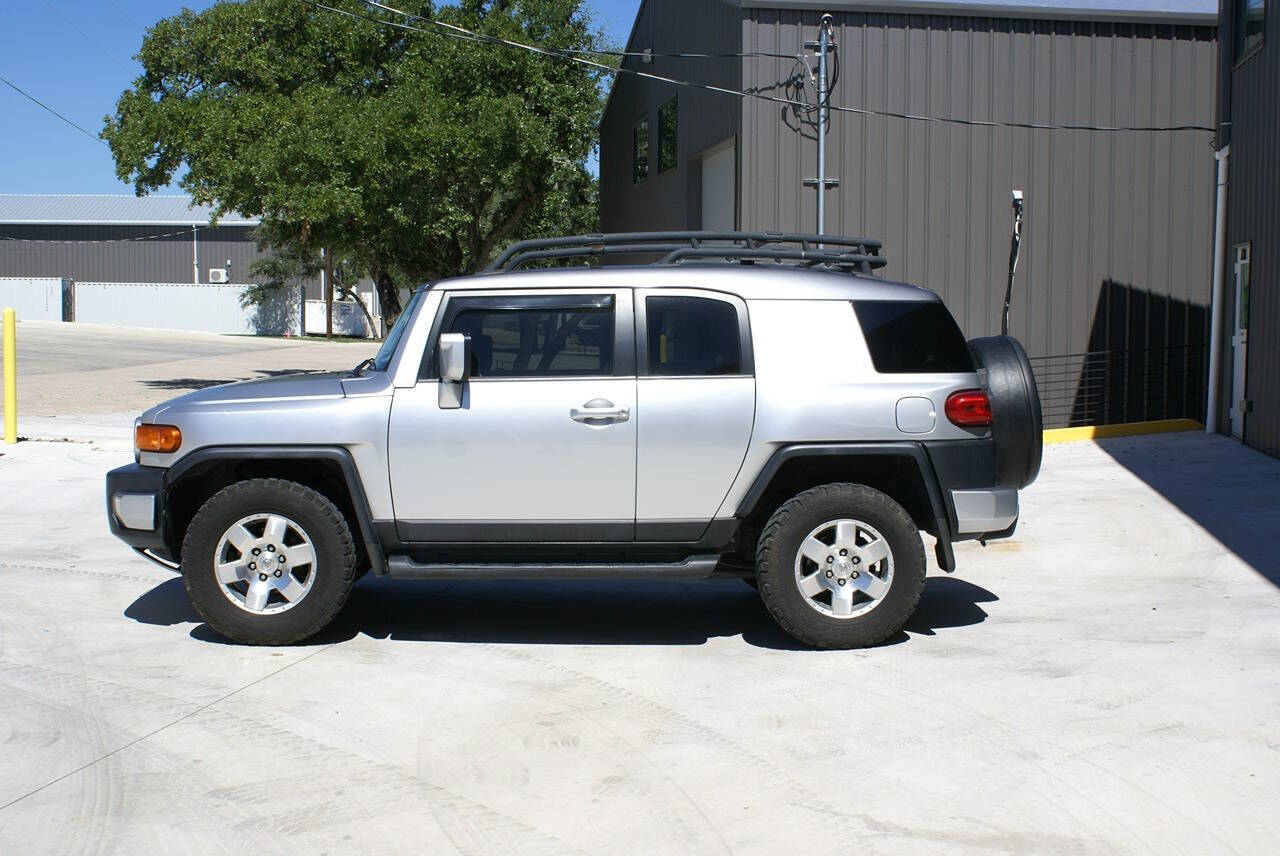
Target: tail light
969, 408
157, 438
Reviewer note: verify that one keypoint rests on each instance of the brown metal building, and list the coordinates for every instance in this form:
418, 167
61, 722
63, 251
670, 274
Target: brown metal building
1114, 279
1249, 141
121, 239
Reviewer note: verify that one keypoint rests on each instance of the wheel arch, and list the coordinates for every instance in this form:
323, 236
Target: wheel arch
902, 471
330, 470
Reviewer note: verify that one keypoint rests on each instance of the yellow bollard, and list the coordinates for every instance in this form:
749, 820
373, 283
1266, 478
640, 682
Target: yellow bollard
10, 377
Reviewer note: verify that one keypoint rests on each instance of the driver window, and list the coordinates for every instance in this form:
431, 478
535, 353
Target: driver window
538, 342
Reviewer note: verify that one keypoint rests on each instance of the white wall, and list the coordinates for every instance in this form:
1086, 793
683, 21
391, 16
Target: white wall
184, 306
348, 320
33, 299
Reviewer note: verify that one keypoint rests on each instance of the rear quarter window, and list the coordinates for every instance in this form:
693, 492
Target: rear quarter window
912, 337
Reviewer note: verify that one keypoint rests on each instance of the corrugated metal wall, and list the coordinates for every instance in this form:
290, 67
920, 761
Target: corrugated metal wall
123, 253
1253, 214
672, 199
1118, 240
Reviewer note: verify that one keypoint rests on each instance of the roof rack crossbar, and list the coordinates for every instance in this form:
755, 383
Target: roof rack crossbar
760, 245
588, 250
859, 262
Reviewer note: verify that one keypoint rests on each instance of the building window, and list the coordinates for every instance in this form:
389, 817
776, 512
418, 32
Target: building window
640, 152
1251, 16
667, 123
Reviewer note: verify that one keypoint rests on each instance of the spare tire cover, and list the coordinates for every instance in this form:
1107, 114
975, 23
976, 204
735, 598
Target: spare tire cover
1015, 408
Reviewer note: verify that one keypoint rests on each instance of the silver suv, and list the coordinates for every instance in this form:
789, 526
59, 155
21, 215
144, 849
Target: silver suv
752, 405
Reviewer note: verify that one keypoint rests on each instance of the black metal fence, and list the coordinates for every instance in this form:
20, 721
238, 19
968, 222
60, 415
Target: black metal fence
1116, 386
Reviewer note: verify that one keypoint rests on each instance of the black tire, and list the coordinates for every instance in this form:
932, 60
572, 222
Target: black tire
1015, 408
335, 565
776, 569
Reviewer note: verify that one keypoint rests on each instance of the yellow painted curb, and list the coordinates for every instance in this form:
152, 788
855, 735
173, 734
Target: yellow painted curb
1099, 432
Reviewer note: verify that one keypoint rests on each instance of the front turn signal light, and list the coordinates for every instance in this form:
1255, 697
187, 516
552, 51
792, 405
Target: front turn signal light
969, 408
157, 438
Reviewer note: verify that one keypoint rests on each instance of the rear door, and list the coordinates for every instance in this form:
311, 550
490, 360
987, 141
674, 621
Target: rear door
543, 447
696, 398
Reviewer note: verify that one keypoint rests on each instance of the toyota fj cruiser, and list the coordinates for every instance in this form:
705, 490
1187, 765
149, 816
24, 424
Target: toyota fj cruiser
751, 405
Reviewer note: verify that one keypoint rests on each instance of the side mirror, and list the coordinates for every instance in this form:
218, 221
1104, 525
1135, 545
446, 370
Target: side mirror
455, 357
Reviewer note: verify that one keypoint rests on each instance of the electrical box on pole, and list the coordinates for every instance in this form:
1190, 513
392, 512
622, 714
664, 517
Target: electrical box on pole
1015, 246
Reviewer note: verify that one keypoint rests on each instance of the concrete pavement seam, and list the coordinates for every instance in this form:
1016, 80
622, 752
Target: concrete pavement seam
164, 727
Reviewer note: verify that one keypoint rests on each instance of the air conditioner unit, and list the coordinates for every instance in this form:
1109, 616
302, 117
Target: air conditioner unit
218, 275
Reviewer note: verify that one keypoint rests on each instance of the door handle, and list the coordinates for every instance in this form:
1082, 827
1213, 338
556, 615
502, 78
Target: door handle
599, 411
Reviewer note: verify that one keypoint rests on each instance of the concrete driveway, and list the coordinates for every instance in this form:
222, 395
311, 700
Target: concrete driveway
1105, 682
85, 381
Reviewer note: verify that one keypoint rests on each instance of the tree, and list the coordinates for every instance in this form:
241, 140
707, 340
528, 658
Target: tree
288, 263
415, 154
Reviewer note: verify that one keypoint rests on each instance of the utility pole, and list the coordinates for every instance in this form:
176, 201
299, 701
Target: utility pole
824, 44
327, 278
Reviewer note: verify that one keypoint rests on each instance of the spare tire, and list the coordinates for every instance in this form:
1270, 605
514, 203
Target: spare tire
1015, 408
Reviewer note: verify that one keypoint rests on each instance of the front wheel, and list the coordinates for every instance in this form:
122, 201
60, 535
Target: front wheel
840, 566
268, 561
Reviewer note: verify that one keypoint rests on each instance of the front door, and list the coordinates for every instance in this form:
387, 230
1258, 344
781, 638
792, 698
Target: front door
543, 447
1240, 341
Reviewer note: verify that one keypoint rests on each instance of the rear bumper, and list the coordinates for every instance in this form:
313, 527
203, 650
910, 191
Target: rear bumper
979, 505
136, 509
985, 512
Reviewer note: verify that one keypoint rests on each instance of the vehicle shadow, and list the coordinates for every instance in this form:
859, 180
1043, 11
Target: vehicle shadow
184, 383
194, 383
1222, 485
626, 612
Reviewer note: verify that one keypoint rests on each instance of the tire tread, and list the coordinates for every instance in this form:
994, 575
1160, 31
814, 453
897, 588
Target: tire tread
218, 504
815, 634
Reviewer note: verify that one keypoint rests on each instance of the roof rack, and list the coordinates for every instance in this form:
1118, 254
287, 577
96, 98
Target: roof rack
851, 255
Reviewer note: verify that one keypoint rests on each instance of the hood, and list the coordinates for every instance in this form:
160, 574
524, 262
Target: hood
294, 387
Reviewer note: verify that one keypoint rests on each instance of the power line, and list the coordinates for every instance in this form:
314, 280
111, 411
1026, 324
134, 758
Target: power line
456, 31
184, 232
88, 38
49, 109
127, 16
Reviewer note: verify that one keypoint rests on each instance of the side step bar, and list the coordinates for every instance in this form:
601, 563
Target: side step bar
694, 567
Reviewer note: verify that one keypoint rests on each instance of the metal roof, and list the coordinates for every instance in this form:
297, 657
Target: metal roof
1166, 11
122, 210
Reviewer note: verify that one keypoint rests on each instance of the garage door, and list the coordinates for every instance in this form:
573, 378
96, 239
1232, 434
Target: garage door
718, 190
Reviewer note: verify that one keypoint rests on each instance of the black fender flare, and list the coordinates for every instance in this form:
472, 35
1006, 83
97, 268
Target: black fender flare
332, 454
939, 502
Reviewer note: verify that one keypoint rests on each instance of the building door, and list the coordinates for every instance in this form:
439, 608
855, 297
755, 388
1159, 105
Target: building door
1240, 341
719, 190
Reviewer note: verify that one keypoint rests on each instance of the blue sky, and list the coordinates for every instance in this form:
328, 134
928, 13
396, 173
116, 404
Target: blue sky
77, 57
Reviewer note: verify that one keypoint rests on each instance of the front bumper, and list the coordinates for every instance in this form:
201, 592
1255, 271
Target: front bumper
136, 510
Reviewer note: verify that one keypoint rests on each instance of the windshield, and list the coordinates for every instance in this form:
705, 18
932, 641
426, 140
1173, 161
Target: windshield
389, 345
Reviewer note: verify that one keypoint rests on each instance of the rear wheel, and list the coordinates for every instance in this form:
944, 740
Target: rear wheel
840, 566
268, 562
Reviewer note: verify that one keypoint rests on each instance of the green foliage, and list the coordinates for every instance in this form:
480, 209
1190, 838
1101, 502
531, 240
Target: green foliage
414, 155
